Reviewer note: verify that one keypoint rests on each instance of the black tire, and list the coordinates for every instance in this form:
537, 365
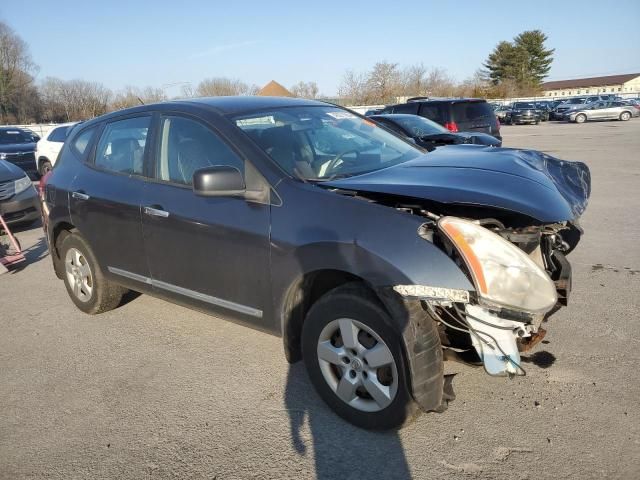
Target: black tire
45, 167
105, 295
624, 116
354, 301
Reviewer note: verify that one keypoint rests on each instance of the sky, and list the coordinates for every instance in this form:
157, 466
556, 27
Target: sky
167, 43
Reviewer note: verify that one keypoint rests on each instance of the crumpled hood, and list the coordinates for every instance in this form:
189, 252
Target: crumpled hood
524, 181
17, 147
8, 171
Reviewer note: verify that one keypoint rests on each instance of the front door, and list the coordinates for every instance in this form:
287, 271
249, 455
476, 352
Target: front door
105, 198
210, 252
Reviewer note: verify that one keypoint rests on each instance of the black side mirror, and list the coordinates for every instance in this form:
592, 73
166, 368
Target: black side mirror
219, 181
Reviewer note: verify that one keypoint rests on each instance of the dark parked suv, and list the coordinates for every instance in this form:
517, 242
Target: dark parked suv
455, 114
367, 255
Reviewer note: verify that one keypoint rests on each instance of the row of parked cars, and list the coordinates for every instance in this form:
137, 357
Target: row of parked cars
25, 156
577, 109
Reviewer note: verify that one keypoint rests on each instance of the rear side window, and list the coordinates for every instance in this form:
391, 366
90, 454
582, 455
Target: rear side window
469, 111
406, 108
58, 134
122, 145
435, 112
186, 146
82, 141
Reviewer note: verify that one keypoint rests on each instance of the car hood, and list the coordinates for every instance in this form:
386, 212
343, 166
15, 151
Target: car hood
524, 181
8, 171
17, 147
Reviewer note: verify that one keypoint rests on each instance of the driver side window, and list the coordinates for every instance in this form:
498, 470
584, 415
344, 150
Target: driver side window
122, 144
186, 146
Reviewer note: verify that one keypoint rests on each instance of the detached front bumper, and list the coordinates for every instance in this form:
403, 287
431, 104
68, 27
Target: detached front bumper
21, 208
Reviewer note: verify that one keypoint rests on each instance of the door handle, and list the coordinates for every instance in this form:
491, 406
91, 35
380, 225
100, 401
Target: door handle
80, 196
156, 212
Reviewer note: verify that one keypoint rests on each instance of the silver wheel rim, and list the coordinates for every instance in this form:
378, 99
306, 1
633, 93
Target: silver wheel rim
79, 274
357, 365
580, 118
625, 116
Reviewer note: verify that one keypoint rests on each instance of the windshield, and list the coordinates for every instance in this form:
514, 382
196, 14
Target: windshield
14, 136
323, 143
523, 105
418, 126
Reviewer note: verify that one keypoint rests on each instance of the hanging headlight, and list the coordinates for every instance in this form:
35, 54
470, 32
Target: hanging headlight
504, 276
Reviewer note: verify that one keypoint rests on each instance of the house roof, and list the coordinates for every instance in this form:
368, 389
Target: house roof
274, 89
590, 82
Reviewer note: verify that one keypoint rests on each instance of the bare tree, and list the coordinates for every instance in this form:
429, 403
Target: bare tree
131, 96
353, 88
16, 69
383, 83
71, 100
305, 90
222, 87
414, 81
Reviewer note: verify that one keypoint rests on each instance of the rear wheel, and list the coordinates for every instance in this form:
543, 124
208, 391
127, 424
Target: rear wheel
86, 285
581, 118
624, 116
355, 359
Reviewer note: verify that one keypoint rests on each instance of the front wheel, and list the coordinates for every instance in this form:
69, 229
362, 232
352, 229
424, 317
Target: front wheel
355, 359
581, 118
624, 116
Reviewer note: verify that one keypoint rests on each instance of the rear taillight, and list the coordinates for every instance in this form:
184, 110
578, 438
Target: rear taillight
451, 126
43, 183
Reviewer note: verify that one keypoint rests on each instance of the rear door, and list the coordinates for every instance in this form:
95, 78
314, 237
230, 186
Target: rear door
598, 110
209, 252
106, 194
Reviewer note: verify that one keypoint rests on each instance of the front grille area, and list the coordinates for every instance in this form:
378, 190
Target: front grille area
20, 157
7, 189
10, 217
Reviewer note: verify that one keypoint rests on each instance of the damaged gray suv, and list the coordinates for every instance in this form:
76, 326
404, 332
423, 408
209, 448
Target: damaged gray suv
368, 255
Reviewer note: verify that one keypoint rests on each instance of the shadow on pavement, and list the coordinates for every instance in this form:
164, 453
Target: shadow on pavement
340, 450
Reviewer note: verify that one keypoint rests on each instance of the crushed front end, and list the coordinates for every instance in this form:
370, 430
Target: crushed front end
521, 277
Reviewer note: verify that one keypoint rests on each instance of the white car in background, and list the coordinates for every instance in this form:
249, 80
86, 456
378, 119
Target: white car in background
48, 148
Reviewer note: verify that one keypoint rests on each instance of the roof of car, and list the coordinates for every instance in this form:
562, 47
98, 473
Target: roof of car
232, 105
452, 100
394, 115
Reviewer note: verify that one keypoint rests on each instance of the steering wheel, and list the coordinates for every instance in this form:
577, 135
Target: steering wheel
333, 163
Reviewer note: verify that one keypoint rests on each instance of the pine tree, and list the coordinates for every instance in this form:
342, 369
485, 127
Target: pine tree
524, 62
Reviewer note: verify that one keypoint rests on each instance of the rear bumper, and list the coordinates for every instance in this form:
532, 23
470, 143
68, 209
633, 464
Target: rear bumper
22, 207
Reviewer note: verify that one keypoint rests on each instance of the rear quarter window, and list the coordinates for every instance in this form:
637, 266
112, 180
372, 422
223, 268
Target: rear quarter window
469, 111
406, 108
58, 134
434, 112
82, 141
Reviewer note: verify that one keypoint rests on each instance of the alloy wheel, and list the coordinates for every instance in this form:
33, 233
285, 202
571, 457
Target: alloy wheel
357, 365
79, 274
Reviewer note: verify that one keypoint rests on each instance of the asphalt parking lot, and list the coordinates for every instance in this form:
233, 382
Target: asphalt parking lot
153, 390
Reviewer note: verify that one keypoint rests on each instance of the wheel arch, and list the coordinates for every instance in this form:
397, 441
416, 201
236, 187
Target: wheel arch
58, 233
303, 292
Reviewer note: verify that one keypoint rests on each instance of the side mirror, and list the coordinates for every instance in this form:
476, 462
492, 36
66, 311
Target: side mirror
219, 181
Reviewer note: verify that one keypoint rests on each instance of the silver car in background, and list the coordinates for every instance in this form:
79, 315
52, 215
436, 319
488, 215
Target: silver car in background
603, 110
